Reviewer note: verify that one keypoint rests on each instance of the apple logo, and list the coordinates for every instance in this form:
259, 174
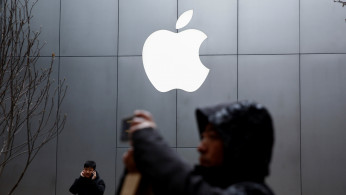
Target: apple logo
171, 60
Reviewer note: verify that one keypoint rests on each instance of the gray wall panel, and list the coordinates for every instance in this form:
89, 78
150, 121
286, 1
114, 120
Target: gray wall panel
41, 173
138, 19
190, 155
274, 82
221, 15
323, 124
322, 27
136, 92
220, 86
90, 132
89, 28
46, 16
41, 176
268, 27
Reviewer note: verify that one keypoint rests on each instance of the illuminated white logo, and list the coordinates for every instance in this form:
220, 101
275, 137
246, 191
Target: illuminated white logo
171, 60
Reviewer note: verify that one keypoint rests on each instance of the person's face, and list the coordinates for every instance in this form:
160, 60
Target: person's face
210, 148
88, 171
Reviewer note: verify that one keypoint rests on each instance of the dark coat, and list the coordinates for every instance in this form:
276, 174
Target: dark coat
87, 186
168, 174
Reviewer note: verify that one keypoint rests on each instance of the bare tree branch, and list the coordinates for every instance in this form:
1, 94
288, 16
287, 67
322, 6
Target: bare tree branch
30, 99
343, 3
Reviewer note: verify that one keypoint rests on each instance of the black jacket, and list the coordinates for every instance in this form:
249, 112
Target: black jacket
168, 174
87, 186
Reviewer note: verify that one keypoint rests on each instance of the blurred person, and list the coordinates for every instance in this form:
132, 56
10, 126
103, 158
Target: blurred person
89, 182
235, 152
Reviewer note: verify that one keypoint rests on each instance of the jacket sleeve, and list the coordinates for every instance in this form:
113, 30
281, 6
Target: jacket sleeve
164, 168
75, 186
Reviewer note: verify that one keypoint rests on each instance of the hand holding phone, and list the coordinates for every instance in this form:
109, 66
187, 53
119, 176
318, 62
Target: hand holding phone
140, 120
93, 175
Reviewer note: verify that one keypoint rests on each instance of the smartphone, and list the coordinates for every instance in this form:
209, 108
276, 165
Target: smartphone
125, 126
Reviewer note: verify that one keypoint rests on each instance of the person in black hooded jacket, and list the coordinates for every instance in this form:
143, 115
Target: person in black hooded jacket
235, 152
89, 182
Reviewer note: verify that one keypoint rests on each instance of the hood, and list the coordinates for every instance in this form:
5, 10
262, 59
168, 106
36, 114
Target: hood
247, 133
